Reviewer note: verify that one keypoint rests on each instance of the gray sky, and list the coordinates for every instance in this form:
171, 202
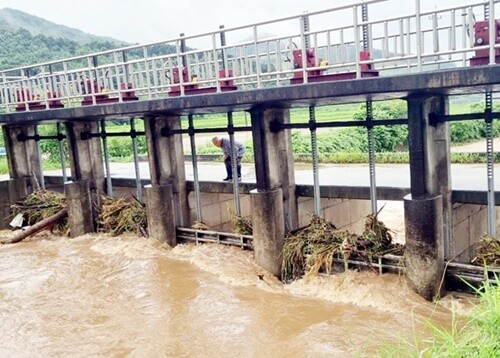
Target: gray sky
155, 20
141, 21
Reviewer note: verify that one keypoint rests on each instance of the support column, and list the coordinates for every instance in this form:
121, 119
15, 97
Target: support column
23, 158
268, 229
428, 207
166, 162
11, 191
85, 154
274, 203
79, 204
159, 206
274, 159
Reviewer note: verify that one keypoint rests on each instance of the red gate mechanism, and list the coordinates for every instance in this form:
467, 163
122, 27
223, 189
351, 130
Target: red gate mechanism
32, 102
482, 38
318, 75
100, 93
192, 87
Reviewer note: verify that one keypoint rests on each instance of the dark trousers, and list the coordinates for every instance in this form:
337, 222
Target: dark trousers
229, 168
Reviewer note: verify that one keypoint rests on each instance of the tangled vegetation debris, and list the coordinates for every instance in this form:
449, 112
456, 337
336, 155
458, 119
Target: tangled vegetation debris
312, 249
198, 225
122, 215
242, 226
487, 252
40, 205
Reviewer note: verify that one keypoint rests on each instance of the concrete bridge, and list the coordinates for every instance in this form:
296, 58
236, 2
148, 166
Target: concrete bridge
423, 57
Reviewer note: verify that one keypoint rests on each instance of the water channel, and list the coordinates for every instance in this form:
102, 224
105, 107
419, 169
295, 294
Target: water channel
99, 296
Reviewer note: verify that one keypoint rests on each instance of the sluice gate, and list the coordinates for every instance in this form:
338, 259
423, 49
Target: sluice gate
163, 90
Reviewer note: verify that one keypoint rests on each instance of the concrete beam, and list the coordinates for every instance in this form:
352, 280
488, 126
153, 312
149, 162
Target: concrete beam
161, 218
23, 158
274, 158
268, 229
424, 249
85, 157
166, 162
81, 218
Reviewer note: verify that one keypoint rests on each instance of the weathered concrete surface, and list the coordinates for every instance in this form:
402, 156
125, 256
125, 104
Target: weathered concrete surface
80, 214
85, 156
166, 162
424, 251
268, 229
274, 159
10, 192
23, 158
160, 213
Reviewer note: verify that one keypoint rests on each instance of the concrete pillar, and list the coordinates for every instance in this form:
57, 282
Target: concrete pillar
23, 155
274, 158
80, 214
430, 178
85, 154
268, 229
424, 252
161, 218
11, 191
166, 162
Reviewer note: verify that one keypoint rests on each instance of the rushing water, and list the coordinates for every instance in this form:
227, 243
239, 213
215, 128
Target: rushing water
127, 296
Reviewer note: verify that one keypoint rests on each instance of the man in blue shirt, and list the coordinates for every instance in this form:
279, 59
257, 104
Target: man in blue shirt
225, 145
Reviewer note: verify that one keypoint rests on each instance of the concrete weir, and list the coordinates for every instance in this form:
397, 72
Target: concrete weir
275, 203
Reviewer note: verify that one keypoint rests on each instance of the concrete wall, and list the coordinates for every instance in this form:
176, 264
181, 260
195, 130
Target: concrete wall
348, 214
470, 223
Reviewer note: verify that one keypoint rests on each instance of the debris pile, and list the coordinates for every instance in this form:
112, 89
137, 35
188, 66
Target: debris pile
122, 215
487, 252
312, 249
242, 226
40, 205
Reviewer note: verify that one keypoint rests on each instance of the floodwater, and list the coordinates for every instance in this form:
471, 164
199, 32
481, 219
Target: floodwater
98, 296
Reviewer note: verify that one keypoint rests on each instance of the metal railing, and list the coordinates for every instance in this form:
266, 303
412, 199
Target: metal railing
260, 55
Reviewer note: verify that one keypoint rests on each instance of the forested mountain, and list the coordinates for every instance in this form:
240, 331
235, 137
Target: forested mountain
27, 39
16, 19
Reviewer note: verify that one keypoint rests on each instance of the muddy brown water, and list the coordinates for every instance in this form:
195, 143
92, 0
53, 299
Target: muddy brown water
98, 296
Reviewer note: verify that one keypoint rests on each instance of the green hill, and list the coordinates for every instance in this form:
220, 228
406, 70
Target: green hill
16, 19
26, 39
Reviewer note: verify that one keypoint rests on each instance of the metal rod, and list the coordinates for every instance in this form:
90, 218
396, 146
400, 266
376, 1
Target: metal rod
194, 160
61, 152
223, 43
39, 151
490, 167
109, 187
490, 8
315, 161
371, 157
234, 163
136, 161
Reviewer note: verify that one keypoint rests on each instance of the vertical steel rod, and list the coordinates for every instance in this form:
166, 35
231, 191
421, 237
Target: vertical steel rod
369, 120
37, 140
490, 167
234, 163
194, 160
138, 185
371, 158
315, 161
61, 152
109, 187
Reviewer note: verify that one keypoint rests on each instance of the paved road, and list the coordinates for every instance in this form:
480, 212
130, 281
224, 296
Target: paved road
463, 176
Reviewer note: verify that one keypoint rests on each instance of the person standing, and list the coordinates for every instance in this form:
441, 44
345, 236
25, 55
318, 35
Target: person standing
225, 145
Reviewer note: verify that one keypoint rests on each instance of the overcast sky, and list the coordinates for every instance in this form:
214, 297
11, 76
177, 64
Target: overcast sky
154, 20
141, 21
